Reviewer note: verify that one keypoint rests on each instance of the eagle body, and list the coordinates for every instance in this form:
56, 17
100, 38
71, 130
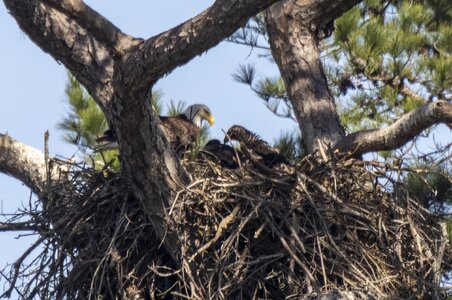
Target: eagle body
223, 153
181, 130
269, 155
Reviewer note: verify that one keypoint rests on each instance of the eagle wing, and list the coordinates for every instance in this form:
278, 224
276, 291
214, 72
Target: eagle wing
179, 131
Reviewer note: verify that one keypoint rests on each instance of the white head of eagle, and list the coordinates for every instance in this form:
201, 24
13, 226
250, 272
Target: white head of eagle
196, 113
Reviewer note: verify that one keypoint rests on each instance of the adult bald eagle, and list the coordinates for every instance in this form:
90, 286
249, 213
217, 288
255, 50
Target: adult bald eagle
270, 156
181, 130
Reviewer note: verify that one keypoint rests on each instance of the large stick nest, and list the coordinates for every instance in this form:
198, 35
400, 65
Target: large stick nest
250, 233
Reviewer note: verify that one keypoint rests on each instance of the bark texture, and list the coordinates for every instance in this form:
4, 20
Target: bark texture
293, 28
400, 132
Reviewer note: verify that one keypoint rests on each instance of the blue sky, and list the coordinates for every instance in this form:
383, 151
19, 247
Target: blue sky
32, 90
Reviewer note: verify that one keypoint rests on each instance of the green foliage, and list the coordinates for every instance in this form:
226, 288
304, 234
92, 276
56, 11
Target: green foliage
85, 121
192, 153
245, 74
345, 26
175, 109
395, 54
385, 58
289, 145
107, 160
156, 101
252, 34
270, 89
204, 137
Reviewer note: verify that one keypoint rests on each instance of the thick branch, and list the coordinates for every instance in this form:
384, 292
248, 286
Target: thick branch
23, 162
102, 29
68, 41
399, 133
175, 47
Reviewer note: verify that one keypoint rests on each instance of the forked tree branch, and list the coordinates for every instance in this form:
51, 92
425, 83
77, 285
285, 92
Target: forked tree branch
72, 33
399, 133
88, 44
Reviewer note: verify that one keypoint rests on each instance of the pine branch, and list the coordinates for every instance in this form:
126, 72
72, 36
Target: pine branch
245, 74
399, 133
395, 82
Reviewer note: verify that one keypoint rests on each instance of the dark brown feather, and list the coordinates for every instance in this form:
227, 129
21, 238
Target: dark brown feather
224, 154
270, 156
179, 131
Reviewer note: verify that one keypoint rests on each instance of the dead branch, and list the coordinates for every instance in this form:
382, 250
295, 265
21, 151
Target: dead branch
23, 162
18, 226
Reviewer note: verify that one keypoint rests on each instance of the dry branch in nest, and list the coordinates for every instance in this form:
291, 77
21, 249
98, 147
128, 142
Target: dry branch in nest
249, 233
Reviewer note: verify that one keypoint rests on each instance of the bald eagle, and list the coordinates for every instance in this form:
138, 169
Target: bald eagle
270, 156
181, 130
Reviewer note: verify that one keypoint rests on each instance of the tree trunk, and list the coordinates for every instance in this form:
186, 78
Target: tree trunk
295, 47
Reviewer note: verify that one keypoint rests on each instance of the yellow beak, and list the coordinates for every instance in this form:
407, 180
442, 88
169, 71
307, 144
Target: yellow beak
210, 119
